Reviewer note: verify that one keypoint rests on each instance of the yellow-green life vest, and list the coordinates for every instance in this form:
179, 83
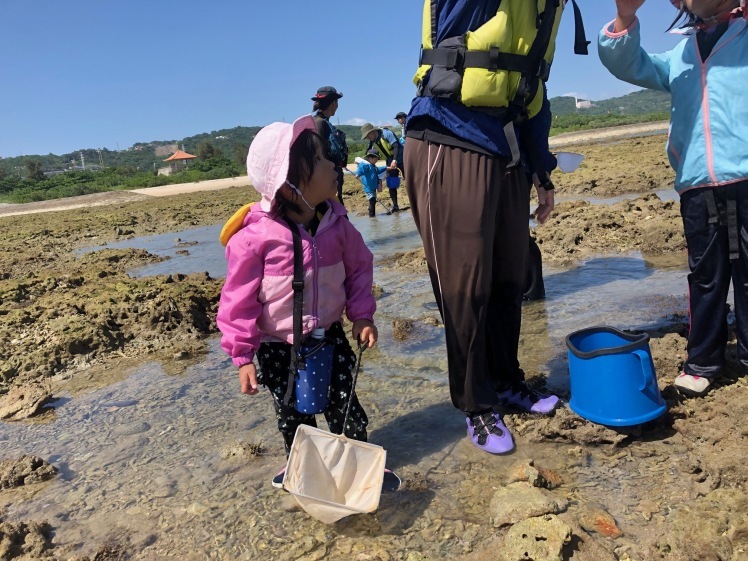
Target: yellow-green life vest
384, 146
510, 32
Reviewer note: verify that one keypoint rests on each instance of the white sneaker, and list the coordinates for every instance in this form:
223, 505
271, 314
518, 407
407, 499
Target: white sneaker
693, 386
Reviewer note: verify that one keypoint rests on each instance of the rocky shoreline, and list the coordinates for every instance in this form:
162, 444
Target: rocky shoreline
71, 321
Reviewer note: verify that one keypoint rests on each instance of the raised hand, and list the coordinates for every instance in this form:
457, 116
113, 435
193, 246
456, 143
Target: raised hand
626, 13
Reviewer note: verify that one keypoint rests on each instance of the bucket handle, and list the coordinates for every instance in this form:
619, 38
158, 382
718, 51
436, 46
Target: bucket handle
647, 370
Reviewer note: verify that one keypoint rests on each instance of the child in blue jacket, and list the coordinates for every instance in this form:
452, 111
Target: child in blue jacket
706, 74
368, 173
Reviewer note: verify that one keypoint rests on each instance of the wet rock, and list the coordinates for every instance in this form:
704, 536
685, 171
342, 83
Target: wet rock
579, 229
700, 531
585, 547
648, 508
106, 552
24, 401
24, 471
432, 321
539, 538
198, 508
129, 429
566, 426
534, 475
594, 518
415, 482
25, 540
518, 501
242, 451
69, 323
166, 490
401, 328
413, 261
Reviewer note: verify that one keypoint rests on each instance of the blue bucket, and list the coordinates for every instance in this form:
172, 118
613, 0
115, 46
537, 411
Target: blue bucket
612, 377
393, 182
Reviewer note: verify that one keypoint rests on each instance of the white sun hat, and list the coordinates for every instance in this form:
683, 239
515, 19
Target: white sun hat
267, 160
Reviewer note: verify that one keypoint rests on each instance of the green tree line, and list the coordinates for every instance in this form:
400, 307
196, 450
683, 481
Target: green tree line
223, 153
36, 186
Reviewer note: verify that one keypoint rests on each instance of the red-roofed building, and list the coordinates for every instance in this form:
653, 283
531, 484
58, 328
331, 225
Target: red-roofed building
175, 159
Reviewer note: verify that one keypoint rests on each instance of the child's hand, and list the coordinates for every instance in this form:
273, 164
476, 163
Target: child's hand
626, 13
248, 379
365, 332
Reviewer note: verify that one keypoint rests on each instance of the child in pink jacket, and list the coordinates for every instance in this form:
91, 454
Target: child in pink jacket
286, 165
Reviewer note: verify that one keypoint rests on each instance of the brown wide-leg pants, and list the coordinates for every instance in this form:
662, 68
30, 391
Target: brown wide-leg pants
472, 214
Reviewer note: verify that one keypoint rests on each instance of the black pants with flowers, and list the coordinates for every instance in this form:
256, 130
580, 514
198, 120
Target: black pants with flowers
274, 360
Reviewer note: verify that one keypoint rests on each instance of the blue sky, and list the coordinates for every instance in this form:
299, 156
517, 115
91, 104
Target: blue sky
92, 74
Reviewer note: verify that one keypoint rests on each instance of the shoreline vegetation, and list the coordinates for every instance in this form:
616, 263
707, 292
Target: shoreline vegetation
28, 179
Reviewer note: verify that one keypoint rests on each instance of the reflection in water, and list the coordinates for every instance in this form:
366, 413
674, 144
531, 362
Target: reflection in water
141, 460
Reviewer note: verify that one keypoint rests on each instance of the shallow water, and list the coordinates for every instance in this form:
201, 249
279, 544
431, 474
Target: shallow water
668, 194
140, 461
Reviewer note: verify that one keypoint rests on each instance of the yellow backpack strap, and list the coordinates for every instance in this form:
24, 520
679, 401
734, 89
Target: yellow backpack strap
234, 224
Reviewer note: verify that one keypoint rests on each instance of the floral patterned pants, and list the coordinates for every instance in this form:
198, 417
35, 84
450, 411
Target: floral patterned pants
274, 360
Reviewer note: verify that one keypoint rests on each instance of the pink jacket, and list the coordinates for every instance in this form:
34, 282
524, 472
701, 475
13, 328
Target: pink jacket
257, 298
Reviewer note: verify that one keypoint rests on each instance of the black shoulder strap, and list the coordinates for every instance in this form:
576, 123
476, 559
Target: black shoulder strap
298, 302
529, 82
580, 38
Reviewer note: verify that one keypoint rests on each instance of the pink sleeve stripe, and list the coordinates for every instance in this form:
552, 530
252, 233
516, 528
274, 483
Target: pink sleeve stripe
610, 31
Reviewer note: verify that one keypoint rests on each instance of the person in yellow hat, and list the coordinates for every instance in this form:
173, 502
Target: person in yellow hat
386, 143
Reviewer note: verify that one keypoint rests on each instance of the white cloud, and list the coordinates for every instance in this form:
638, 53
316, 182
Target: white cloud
358, 121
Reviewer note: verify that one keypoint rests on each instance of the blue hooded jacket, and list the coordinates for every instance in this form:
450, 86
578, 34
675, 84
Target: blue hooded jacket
709, 106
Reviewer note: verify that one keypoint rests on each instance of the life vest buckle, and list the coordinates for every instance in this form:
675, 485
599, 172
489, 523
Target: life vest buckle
493, 59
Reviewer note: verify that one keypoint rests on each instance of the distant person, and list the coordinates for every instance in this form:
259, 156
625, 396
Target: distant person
368, 173
401, 119
706, 76
387, 144
286, 165
336, 149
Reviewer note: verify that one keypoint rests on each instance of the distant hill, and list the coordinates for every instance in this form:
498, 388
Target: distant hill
151, 155
642, 102
232, 142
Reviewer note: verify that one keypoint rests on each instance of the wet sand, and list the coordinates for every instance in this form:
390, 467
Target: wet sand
75, 324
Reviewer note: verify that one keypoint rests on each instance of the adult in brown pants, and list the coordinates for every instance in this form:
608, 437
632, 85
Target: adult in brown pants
471, 212
469, 197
